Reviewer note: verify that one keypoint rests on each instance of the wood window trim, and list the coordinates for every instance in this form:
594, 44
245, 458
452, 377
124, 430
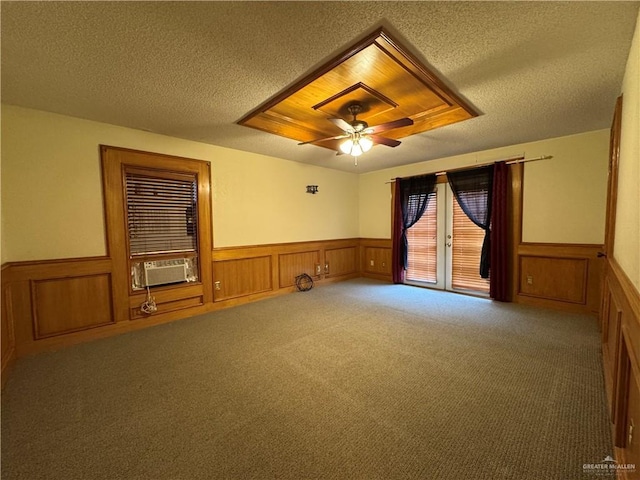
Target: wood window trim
114, 161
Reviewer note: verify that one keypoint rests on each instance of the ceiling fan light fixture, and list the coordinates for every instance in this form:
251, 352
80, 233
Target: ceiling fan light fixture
365, 143
356, 145
356, 150
346, 146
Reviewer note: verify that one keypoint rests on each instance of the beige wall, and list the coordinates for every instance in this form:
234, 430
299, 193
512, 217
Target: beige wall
52, 198
627, 243
52, 205
564, 197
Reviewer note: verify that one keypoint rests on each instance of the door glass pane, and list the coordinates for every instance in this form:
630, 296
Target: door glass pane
422, 239
466, 251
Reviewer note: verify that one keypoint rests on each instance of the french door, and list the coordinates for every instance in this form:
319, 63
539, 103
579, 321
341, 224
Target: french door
445, 247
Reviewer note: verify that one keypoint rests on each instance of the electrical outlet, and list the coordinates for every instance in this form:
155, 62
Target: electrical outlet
318, 269
371, 262
216, 285
529, 280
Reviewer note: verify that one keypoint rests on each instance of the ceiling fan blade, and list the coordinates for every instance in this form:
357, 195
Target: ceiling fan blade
341, 124
337, 137
403, 122
389, 142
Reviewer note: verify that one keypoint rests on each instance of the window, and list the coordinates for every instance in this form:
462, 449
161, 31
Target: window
161, 223
158, 225
465, 253
422, 238
161, 213
445, 247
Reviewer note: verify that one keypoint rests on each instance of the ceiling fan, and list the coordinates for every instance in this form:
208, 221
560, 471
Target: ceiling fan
360, 136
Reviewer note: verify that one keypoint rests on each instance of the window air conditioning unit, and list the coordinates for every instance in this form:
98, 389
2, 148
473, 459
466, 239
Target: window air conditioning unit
163, 272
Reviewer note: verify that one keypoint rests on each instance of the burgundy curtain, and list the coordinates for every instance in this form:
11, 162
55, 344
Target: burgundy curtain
411, 199
498, 283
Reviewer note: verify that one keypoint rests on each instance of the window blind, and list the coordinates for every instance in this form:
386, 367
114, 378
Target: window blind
161, 213
422, 237
467, 247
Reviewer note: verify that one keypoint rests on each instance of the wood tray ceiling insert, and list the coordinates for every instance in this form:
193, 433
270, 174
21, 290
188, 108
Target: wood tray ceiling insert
378, 73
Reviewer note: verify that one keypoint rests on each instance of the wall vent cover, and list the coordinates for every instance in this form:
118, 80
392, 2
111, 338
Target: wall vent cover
163, 272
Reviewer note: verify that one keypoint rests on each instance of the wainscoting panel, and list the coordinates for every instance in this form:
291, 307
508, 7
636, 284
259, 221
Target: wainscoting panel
630, 453
7, 337
7, 334
64, 305
248, 273
611, 334
340, 261
53, 303
241, 277
50, 302
290, 265
168, 299
562, 279
621, 353
376, 258
561, 276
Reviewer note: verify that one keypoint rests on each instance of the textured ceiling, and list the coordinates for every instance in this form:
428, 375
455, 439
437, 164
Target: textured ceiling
533, 70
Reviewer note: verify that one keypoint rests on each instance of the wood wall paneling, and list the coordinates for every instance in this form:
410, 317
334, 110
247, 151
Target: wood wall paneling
562, 279
340, 261
7, 334
378, 251
246, 273
168, 299
168, 306
377, 260
621, 407
611, 334
64, 305
241, 277
66, 267
7, 337
290, 265
56, 297
621, 353
629, 453
561, 276
252, 272
21, 298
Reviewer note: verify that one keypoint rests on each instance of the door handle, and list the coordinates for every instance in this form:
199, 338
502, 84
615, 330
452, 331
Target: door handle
601, 254
448, 244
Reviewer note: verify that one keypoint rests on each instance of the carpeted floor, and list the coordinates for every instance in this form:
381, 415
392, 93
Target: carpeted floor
354, 380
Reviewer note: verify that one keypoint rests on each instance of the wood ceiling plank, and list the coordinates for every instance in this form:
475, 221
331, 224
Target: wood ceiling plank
379, 74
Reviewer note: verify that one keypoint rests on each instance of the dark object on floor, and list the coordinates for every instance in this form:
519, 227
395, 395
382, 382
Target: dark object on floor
304, 282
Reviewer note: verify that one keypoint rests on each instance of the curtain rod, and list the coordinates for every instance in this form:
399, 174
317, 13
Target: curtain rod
508, 161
